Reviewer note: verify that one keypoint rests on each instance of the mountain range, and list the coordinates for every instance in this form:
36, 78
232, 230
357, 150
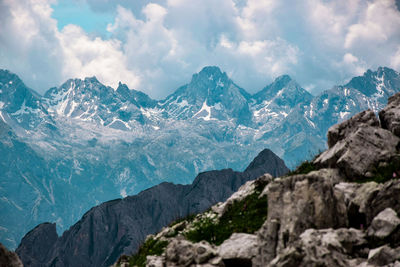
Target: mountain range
84, 143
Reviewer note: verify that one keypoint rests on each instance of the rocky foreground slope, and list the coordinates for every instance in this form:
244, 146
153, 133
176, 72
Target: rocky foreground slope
341, 209
119, 226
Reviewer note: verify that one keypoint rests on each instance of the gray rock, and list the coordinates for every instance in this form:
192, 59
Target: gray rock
154, 261
384, 223
239, 246
342, 130
387, 197
357, 198
179, 253
383, 255
390, 115
8, 258
204, 252
297, 203
327, 247
360, 151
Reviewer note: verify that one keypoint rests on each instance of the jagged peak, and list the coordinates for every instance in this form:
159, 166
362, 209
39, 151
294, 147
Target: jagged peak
92, 79
207, 70
366, 83
210, 74
263, 160
285, 78
8, 76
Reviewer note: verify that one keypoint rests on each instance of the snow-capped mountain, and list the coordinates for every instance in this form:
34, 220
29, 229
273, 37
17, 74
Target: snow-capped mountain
89, 100
87, 143
369, 91
210, 95
20, 103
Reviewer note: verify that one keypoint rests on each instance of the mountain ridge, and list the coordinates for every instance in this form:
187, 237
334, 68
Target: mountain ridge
125, 222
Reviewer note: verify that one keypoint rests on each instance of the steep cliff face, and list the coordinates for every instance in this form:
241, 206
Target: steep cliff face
118, 227
342, 209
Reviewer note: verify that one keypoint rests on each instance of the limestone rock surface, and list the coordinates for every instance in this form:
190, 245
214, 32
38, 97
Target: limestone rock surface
390, 115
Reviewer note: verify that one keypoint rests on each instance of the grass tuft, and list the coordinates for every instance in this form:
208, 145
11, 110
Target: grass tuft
304, 168
245, 216
150, 247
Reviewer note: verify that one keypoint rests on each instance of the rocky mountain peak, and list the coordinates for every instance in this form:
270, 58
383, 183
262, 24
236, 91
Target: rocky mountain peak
208, 83
92, 79
211, 71
14, 93
136, 97
210, 95
284, 91
262, 164
380, 83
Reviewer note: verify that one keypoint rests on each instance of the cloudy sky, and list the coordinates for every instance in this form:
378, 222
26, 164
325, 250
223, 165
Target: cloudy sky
155, 46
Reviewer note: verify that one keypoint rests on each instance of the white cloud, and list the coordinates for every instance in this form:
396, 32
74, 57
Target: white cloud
395, 60
86, 57
379, 23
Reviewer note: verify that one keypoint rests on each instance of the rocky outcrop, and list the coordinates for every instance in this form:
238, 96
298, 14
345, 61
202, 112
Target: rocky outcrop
358, 146
239, 247
390, 115
8, 258
299, 203
342, 130
118, 227
327, 247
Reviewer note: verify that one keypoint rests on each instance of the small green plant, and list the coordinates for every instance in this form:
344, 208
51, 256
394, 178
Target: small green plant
245, 216
150, 247
304, 168
385, 171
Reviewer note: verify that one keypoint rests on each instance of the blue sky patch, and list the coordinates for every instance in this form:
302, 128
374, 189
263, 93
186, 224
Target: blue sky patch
79, 13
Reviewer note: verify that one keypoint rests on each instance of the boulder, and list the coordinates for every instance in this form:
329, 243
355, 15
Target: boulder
360, 152
239, 246
203, 252
180, 252
383, 255
390, 115
154, 261
384, 224
342, 130
387, 197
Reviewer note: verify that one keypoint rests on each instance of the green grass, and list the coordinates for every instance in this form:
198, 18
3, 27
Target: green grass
384, 173
150, 247
304, 168
246, 216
